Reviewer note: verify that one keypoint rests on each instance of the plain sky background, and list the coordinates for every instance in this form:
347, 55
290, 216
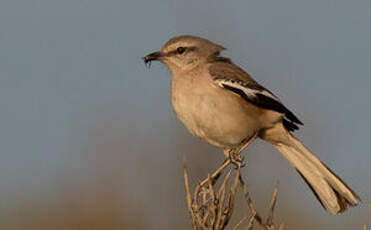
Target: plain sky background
72, 82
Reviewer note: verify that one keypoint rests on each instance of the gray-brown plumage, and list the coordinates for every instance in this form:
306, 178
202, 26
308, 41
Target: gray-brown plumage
220, 103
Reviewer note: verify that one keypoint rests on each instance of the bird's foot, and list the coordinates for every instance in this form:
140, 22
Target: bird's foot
236, 159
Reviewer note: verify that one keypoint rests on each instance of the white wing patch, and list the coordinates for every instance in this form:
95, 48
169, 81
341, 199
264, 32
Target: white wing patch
250, 93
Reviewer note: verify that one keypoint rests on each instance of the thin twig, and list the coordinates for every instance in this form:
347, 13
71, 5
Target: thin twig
250, 204
269, 221
233, 190
212, 208
217, 172
221, 195
251, 222
189, 198
239, 223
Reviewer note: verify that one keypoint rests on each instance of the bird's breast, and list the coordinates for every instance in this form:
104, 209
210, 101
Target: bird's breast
219, 117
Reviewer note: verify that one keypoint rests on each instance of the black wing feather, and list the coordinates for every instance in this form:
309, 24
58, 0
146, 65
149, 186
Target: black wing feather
271, 104
235, 79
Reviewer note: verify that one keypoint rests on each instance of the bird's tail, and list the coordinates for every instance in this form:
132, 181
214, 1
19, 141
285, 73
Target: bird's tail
330, 190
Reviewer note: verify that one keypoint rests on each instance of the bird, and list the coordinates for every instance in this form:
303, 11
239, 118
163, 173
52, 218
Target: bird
222, 104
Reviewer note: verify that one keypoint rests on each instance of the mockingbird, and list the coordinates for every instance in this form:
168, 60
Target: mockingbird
220, 103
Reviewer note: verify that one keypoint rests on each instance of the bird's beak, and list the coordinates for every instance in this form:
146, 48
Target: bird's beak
155, 56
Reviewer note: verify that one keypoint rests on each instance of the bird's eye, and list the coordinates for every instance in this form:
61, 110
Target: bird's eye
180, 50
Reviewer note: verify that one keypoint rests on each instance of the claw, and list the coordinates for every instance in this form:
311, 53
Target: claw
237, 161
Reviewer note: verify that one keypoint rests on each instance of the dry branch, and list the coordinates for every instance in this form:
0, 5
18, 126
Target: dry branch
211, 206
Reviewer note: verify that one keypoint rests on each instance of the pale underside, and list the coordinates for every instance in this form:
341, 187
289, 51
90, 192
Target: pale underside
219, 116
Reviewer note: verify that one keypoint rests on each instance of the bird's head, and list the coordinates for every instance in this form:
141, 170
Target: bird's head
185, 52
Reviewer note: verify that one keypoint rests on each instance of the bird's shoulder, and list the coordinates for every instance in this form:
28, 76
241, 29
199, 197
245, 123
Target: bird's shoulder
230, 72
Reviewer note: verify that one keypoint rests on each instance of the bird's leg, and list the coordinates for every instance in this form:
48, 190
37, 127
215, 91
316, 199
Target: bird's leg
239, 159
231, 156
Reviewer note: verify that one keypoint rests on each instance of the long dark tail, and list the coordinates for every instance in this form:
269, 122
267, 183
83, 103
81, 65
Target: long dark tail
331, 191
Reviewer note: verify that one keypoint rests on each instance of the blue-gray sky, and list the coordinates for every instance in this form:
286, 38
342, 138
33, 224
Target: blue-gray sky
71, 77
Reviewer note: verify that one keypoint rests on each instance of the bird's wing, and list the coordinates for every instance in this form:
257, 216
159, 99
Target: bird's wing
231, 77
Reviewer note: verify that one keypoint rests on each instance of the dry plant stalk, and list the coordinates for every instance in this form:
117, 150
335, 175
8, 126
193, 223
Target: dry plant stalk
211, 207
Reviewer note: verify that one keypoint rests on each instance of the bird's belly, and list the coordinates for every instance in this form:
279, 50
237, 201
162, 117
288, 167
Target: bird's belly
219, 117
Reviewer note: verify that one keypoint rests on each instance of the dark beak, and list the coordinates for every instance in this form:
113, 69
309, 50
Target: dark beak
152, 57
